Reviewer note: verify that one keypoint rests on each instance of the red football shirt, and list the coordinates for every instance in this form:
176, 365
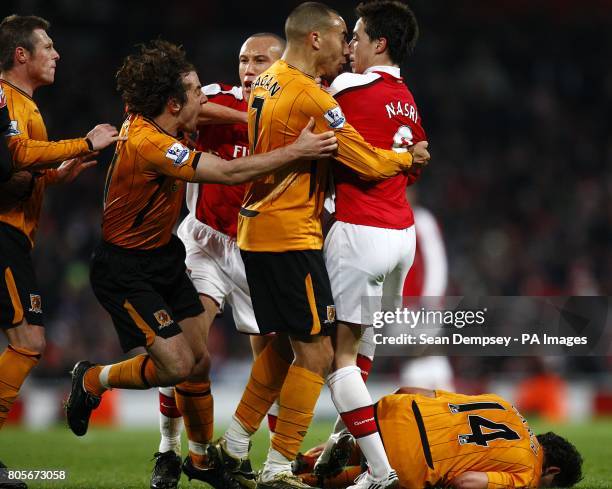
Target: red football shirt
215, 204
380, 106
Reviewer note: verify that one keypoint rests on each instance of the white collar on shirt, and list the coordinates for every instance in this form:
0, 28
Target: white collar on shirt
392, 70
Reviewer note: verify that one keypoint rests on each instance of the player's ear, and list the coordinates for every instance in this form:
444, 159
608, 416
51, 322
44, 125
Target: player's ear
21, 55
381, 45
315, 40
174, 106
552, 470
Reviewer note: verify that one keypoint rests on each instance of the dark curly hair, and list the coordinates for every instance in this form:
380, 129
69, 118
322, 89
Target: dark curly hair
394, 21
558, 452
148, 79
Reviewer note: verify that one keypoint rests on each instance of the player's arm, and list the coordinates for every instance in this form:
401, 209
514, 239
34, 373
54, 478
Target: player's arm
472, 480
308, 146
171, 158
33, 154
6, 161
212, 113
354, 151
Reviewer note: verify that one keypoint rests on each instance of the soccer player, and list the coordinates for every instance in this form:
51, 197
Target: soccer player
209, 235
279, 232
28, 59
138, 270
442, 439
370, 248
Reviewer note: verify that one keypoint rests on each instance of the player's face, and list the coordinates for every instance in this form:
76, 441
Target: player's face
334, 49
42, 60
188, 115
256, 56
362, 49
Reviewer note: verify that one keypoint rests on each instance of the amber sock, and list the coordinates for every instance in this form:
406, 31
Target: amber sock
297, 402
15, 365
194, 400
267, 377
136, 373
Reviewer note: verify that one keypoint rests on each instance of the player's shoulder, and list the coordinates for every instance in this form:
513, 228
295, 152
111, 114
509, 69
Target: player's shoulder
347, 82
145, 135
223, 90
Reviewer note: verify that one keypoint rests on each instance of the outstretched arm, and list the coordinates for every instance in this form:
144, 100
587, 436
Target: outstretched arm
212, 113
33, 154
308, 146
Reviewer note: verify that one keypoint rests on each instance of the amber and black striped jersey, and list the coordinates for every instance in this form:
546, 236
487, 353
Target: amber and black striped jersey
28, 144
281, 212
145, 186
429, 441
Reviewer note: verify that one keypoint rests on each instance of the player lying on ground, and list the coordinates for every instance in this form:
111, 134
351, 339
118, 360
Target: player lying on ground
443, 439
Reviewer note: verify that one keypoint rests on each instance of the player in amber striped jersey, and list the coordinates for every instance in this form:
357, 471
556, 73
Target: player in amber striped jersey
138, 270
28, 61
279, 230
443, 439
209, 235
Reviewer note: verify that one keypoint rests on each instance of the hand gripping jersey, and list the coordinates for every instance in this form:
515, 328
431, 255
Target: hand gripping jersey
215, 204
28, 144
145, 185
430, 441
281, 212
379, 105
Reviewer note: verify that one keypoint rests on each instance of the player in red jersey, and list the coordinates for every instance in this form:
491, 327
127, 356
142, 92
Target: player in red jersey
370, 247
209, 235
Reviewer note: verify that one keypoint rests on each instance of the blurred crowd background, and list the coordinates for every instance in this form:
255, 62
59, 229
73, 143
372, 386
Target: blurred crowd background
516, 98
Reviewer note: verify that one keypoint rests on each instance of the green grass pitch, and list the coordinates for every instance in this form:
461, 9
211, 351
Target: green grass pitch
121, 458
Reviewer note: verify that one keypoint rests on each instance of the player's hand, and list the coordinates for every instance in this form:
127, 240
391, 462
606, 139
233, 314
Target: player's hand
420, 155
70, 169
311, 146
103, 135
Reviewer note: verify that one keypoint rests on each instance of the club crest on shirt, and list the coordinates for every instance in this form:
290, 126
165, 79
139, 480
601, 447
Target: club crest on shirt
35, 304
178, 153
402, 139
163, 318
331, 315
335, 117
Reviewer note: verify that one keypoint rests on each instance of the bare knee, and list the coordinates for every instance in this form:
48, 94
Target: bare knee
28, 337
201, 368
174, 365
315, 356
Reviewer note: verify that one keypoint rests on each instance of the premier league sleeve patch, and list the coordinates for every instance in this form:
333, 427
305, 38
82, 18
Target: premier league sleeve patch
178, 153
335, 118
12, 130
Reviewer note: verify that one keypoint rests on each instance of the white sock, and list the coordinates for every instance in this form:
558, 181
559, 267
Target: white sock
170, 428
275, 464
237, 439
349, 393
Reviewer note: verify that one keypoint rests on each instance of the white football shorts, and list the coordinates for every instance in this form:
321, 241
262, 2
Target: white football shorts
216, 270
367, 262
